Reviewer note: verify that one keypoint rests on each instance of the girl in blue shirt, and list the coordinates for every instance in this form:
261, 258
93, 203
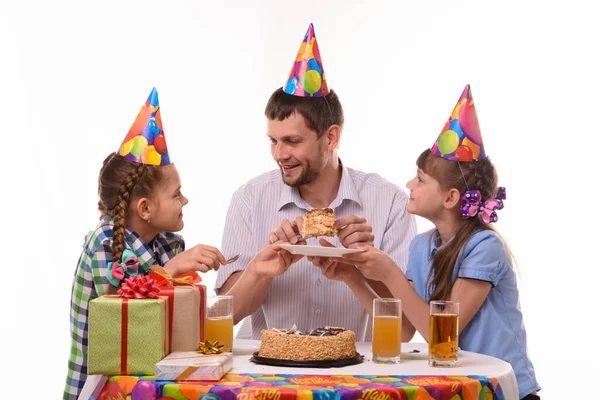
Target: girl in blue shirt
463, 259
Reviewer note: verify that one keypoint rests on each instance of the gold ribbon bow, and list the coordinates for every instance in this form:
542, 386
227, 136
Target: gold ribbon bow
185, 279
209, 347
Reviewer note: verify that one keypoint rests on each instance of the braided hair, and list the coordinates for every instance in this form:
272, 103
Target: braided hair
477, 175
119, 182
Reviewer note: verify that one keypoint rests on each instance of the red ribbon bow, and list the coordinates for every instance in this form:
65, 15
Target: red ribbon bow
139, 287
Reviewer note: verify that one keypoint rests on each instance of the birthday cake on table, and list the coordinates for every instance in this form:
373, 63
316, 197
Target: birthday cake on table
325, 343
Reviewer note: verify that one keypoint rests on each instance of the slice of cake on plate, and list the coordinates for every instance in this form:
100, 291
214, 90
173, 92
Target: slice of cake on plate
319, 222
326, 343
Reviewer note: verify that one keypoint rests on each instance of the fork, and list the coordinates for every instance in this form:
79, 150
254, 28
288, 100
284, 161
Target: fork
232, 259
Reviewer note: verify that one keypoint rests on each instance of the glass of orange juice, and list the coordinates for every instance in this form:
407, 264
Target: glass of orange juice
219, 321
387, 330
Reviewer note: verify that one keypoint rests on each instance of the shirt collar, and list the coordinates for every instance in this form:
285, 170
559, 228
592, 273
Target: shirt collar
435, 243
146, 253
346, 191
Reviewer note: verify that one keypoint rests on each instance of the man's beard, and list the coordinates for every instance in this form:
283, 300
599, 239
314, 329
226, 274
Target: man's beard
307, 176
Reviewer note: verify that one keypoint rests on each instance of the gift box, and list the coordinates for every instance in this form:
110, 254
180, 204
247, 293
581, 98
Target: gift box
187, 304
193, 366
127, 336
202, 290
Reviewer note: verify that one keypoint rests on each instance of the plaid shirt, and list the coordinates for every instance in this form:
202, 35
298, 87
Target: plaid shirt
90, 282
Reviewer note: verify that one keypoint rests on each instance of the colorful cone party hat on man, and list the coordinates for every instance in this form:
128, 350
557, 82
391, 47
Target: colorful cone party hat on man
145, 143
460, 139
307, 78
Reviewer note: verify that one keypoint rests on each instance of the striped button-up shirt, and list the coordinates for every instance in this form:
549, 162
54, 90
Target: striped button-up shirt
302, 295
90, 282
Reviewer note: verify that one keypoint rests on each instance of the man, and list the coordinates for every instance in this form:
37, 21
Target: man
304, 122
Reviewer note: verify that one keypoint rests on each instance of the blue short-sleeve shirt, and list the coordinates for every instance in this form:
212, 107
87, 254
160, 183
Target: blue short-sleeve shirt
497, 328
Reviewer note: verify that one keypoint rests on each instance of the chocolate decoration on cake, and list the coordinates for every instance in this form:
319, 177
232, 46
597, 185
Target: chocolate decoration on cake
321, 331
327, 331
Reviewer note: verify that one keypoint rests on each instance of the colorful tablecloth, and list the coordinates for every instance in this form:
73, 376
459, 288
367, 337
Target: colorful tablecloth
303, 387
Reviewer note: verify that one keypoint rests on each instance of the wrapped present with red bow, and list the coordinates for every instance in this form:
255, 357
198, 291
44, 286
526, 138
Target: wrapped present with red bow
187, 302
128, 333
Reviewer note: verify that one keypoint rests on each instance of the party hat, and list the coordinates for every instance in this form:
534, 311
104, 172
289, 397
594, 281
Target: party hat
461, 138
145, 142
307, 78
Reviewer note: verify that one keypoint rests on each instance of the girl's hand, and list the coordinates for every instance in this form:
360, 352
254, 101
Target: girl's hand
201, 258
373, 263
272, 261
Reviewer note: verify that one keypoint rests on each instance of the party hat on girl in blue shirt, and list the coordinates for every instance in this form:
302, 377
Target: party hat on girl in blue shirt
460, 139
145, 142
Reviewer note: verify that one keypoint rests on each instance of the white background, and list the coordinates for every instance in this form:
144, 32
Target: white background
73, 76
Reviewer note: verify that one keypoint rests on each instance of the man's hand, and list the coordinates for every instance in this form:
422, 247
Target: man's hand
354, 231
286, 231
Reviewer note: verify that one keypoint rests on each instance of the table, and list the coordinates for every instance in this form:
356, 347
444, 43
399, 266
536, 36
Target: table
476, 376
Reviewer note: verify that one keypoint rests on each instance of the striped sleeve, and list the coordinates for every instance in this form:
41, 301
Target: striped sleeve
237, 236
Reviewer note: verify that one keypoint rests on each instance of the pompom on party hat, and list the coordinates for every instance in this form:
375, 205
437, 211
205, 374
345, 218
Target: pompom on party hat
145, 142
307, 78
460, 139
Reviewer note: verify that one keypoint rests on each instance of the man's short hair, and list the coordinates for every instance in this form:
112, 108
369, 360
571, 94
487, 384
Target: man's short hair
318, 112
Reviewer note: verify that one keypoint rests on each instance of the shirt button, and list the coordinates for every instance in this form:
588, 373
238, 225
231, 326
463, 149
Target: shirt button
318, 312
318, 281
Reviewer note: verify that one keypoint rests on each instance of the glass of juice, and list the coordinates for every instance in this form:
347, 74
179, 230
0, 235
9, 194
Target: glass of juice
219, 321
443, 333
387, 330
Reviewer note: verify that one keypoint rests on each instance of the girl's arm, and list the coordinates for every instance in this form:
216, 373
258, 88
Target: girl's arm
375, 264
362, 289
471, 294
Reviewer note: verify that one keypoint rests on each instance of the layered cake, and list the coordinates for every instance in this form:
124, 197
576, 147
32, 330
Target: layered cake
319, 222
326, 343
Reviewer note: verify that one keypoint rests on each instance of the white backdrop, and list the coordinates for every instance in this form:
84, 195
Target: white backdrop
73, 76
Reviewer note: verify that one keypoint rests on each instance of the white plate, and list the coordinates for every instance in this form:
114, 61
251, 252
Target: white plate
318, 251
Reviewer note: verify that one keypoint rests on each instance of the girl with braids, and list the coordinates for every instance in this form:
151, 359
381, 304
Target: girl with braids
463, 259
140, 205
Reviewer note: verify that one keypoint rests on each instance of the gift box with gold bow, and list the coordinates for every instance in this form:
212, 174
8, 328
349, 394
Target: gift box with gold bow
193, 366
187, 302
128, 333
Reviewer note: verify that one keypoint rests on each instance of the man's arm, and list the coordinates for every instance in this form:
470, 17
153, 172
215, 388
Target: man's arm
251, 285
248, 293
238, 239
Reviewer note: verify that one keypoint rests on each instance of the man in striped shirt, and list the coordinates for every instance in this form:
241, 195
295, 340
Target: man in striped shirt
305, 133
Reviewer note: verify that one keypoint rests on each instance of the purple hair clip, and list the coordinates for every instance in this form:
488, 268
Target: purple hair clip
472, 205
501, 194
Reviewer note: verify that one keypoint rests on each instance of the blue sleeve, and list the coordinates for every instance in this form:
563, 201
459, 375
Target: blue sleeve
412, 256
485, 258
